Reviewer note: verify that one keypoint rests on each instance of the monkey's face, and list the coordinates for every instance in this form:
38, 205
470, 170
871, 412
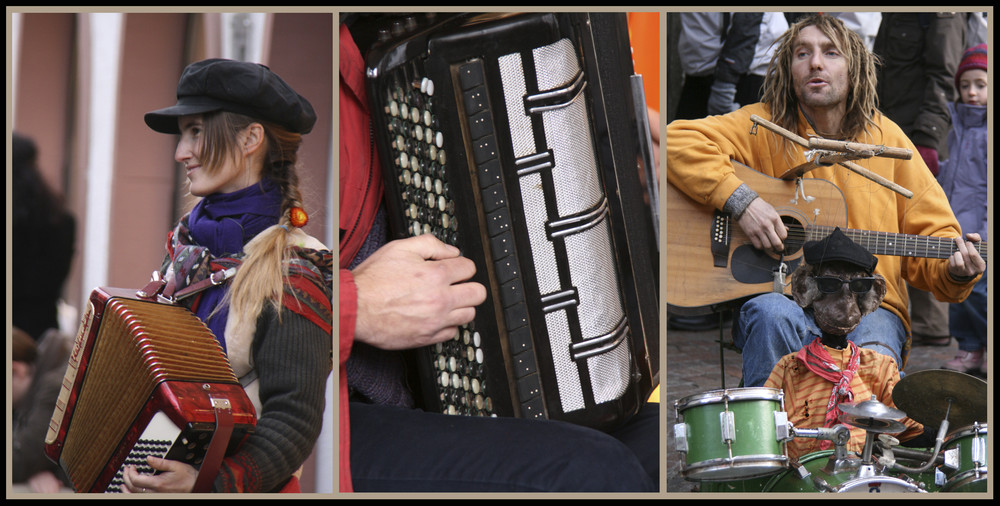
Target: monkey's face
839, 294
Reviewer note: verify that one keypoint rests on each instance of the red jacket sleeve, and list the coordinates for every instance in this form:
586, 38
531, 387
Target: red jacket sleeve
348, 316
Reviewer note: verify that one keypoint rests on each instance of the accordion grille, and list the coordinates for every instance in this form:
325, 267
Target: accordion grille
138, 346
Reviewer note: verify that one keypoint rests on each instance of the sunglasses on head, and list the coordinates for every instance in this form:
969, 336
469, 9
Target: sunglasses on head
832, 284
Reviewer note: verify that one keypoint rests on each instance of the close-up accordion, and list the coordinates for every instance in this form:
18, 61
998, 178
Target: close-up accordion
521, 139
144, 378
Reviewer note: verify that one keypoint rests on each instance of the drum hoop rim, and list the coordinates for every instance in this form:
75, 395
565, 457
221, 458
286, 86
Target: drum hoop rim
860, 480
778, 463
732, 395
968, 430
966, 477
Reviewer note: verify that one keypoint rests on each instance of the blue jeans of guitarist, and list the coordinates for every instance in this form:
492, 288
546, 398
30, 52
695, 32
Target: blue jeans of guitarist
771, 326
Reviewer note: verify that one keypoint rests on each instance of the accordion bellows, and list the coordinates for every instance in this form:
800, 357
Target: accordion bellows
135, 360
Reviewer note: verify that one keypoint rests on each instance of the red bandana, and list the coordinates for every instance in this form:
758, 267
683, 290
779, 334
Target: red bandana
818, 360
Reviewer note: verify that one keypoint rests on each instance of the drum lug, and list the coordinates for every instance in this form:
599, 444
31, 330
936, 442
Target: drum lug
940, 478
727, 422
680, 437
952, 459
979, 451
822, 485
782, 428
801, 470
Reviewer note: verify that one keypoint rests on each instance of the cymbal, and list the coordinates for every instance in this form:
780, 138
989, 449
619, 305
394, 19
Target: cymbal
870, 424
927, 395
873, 416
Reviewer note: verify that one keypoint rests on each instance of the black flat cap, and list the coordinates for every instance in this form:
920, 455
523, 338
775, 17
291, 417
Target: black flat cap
839, 247
245, 88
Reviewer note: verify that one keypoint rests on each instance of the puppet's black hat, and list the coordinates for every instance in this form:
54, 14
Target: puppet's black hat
839, 247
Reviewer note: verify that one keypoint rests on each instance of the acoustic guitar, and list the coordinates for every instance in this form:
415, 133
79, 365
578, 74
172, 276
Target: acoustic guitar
712, 264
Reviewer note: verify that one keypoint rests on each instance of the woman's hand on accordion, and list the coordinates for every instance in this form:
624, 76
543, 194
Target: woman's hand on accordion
175, 477
414, 292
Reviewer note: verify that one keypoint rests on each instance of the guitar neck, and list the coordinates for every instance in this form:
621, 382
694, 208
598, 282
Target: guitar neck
896, 244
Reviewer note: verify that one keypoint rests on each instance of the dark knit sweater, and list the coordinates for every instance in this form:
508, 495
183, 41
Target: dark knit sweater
376, 376
292, 359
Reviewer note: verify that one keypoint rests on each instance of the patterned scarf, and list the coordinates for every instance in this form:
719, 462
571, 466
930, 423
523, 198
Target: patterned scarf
818, 360
211, 238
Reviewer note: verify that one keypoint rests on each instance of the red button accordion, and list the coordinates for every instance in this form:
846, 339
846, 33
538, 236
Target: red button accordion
144, 378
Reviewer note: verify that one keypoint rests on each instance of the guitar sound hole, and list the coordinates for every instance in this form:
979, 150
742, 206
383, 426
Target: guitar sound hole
796, 235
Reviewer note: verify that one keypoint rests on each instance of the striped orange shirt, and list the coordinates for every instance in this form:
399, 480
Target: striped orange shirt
807, 395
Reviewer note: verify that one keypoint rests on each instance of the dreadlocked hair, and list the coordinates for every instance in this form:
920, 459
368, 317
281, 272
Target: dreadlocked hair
261, 277
862, 98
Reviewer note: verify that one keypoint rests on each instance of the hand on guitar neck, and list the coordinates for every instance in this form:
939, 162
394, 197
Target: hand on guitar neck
763, 225
966, 262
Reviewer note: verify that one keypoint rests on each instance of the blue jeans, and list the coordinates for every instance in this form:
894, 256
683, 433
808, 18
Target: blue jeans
771, 326
408, 450
967, 319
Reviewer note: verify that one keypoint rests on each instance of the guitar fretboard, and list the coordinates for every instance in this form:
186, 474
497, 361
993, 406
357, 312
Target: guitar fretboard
896, 244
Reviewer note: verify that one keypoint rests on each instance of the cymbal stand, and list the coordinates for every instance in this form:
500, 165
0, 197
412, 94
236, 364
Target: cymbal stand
889, 461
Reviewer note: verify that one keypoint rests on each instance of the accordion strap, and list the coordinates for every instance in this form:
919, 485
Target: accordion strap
163, 290
217, 447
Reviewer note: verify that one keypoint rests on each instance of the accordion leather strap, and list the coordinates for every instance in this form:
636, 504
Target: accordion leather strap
165, 290
217, 447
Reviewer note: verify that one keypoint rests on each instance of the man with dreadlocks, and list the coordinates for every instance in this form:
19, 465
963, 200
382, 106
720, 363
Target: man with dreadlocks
821, 82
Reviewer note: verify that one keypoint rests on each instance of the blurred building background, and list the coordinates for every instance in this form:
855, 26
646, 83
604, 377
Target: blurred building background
79, 84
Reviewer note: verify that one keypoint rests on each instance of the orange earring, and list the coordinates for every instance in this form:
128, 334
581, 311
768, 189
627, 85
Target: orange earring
298, 217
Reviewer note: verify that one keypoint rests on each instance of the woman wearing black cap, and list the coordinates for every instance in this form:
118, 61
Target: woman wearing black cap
240, 128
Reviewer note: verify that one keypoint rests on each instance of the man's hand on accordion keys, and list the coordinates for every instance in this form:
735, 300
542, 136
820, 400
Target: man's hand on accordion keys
414, 292
174, 478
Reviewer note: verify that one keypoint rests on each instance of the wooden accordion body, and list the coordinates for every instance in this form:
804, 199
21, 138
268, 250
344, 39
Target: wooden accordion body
519, 138
144, 378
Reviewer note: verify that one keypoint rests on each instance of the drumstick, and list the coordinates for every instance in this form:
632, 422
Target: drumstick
777, 129
863, 150
877, 178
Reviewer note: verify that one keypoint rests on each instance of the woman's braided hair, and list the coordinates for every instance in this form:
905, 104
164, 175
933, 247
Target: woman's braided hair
261, 275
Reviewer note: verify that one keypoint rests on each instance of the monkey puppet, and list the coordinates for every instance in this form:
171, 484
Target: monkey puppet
838, 285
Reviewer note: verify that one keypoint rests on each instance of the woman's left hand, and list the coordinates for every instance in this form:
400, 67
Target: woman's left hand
174, 477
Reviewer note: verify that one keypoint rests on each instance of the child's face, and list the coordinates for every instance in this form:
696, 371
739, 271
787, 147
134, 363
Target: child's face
973, 87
